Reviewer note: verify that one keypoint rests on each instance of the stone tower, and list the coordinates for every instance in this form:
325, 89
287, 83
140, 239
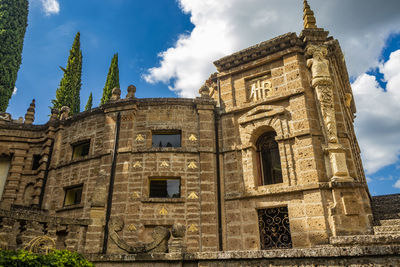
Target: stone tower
288, 149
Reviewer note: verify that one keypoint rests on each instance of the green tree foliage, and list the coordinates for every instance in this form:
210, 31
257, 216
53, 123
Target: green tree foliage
55, 258
112, 80
89, 102
13, 23
68, 92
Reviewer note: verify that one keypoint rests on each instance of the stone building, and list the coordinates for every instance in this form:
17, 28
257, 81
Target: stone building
263, 167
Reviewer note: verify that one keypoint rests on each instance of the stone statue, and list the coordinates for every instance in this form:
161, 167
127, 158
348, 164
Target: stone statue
323, 85
116, 94
131, 91
54, 114
64, 113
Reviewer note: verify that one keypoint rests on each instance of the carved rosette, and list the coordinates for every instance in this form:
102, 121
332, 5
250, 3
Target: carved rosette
323, 85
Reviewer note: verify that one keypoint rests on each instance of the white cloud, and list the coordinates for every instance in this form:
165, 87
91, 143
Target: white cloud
15, 90
50, 7
397, 184
225, 26
378, 121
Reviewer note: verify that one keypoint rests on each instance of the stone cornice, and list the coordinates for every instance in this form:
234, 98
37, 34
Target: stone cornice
258, 51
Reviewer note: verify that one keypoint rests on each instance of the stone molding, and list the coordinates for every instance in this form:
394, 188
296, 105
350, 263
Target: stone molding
262, 49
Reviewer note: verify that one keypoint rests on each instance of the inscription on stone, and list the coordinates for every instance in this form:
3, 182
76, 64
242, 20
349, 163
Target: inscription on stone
259, 88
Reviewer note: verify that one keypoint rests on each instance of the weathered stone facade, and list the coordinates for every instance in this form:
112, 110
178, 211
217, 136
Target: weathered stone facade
267, 158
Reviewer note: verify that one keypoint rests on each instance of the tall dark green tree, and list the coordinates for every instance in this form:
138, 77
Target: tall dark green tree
89, 102
112, 80
13, 23
68, 92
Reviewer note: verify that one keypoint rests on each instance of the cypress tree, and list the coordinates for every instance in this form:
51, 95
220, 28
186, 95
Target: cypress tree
112, 80
13, 23
89, 102
68, 92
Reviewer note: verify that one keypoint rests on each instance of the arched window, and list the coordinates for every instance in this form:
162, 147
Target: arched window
269, 160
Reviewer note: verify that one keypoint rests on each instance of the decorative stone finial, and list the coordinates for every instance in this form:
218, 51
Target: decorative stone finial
116, 94
30, 113
308, 17
64, 113
131, 91
54, 114
204, 91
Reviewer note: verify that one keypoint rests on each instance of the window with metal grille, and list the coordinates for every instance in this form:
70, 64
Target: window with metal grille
269, 160
167, 138
73, 195
274, 228
164, 188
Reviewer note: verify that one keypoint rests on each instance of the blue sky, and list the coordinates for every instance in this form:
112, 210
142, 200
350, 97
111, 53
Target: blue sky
166, 49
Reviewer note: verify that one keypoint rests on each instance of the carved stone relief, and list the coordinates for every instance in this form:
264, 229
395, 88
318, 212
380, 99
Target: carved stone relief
5, 116
160, 236
323, 85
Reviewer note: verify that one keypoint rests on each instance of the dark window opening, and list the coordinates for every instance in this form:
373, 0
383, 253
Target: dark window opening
36, 162
274, 228
166, 138
73, 195
164, 188
81, 149
269, 160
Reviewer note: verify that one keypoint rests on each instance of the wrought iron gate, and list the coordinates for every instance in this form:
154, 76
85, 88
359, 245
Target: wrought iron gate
274, 228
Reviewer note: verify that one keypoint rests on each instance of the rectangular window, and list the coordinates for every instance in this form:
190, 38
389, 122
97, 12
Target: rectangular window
5, 163
167, 138
36, 162
164, 188
73, 195
274, 228
80, 149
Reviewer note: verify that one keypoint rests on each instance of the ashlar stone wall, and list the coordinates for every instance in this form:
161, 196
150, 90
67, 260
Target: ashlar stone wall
274, 93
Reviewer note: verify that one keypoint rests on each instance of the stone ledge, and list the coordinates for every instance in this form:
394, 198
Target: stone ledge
41, 216
71, 207
366, 240
321, 253
162, 200
285, 189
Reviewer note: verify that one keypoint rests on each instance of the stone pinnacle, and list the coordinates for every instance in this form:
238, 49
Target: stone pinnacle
308, 17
